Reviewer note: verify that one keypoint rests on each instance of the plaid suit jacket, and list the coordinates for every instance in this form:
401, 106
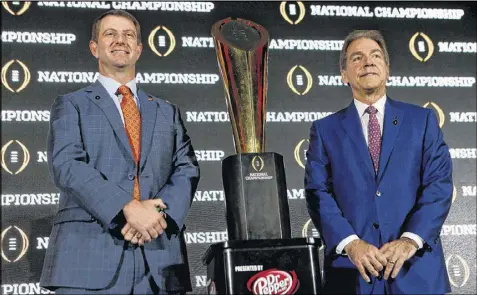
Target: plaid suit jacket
91, 163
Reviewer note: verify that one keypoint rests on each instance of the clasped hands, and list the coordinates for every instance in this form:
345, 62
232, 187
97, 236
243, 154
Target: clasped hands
390, 257
143, 221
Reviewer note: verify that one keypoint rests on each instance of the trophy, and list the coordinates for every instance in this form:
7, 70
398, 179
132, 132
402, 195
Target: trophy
254, 180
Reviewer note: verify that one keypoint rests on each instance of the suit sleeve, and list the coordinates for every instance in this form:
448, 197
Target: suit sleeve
180, 188
435, 194
322, 207
67, 161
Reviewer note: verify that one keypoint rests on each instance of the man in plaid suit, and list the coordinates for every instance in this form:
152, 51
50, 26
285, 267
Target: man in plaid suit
127, 173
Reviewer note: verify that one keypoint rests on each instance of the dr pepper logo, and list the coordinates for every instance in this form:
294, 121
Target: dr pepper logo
273, 281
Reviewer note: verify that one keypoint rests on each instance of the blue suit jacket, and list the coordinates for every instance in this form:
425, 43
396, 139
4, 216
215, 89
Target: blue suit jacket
91, 162
412, 192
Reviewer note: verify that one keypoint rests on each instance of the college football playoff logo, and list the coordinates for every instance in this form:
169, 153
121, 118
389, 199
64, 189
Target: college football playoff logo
300, 152
257, 163
292, 10
440, 114
11, 157
14, 244
309, 230
424, 44
458, 270
162, 41
16, 7
15, 74
454, 193
299, 80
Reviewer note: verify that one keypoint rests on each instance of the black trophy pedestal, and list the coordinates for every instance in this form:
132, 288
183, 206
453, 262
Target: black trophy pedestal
256, 196
281, 266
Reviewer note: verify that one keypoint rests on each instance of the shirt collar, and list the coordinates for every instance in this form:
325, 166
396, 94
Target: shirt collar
112, 85
379, 105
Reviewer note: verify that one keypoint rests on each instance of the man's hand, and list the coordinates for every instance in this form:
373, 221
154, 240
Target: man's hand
397, 252
144, 223
365, 257
134, 236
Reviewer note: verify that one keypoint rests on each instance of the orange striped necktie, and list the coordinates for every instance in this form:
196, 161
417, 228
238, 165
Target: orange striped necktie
132, 122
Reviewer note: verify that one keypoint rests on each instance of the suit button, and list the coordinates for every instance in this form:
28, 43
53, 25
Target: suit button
93, 219
131, 176
375, 225
378, 194
380, 277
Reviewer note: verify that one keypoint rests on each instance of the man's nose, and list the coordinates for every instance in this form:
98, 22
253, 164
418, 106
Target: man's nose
368, 61
119, 38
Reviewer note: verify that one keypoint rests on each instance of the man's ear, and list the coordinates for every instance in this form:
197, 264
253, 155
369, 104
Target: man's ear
139, 50
93, 47
344, 77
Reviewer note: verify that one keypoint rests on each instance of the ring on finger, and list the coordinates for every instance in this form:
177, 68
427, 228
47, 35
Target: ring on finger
391, 262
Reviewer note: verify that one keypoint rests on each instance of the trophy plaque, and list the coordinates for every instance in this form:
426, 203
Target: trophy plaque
254, 180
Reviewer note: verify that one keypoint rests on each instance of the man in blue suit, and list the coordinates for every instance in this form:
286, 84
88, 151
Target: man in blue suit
379, 184
119, 156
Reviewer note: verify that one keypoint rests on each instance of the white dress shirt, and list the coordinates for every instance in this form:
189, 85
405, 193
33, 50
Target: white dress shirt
364, 117
112, 86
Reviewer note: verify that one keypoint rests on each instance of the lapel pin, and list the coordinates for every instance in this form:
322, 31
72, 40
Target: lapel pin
149, 98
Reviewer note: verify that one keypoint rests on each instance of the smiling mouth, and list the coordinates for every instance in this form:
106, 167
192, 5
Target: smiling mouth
367, 75
119, 50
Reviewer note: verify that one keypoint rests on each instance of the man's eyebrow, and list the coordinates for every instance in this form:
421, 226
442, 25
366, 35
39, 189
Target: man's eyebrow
127, 30
376, 50
355, 53
360, 52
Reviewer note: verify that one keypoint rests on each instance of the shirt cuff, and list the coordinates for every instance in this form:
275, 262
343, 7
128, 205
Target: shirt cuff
119, 219
343, 243
113, 225
419, 241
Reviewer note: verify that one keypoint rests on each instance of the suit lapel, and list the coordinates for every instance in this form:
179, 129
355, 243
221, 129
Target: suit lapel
98, 95
148, 121
352, 125
392, 123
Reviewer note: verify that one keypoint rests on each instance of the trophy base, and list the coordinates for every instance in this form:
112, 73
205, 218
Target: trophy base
256, 196
289, 266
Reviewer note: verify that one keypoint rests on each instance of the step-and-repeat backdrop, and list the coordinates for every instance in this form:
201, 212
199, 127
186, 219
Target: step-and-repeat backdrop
45, 53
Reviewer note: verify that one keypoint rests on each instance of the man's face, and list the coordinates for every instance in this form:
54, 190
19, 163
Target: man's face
117, 45
366, 70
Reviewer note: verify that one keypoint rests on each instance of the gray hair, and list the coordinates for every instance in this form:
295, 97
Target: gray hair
358, 34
